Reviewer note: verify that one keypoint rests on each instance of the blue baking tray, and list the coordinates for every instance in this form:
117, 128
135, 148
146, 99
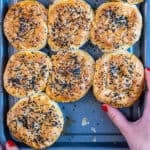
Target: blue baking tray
97, 132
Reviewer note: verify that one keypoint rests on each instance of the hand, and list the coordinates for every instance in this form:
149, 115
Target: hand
10, 145
136, 133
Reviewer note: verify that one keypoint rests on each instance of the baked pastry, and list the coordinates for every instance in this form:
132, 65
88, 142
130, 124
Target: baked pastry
118, 79
26, 72
71, 77
69, 23
117, 26
36, 121
128, 1
29, 8
25, 25
135, 1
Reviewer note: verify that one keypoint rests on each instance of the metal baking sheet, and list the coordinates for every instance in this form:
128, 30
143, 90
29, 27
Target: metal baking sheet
99, 132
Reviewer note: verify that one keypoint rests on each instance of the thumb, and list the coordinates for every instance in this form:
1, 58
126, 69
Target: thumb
118, 119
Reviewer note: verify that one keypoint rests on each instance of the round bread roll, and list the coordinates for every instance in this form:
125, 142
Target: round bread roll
118, 79
71, 77
25, 25
135, 1
26, 72
116, 26
36, 121
69, 23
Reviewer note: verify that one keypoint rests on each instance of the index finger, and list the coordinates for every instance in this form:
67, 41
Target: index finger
147, 98
10, 145
147, 77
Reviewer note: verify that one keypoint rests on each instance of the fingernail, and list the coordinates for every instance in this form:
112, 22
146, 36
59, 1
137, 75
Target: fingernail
104, 107
148, 69
10, 143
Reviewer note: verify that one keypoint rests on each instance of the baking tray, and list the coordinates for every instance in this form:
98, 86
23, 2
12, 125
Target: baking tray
99, 133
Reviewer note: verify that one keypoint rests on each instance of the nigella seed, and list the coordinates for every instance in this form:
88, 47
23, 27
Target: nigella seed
116, 94
116, 20
14, 81
76, 71
23, 120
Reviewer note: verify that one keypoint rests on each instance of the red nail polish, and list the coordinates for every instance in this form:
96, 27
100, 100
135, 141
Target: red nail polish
104, 107
148, 69
10, 143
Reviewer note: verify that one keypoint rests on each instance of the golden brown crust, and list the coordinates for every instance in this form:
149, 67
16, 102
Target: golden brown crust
71, 77
25, 25
135, 1
29, 8
36, 121
118, 79
26, 72
69, 23
116, 26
